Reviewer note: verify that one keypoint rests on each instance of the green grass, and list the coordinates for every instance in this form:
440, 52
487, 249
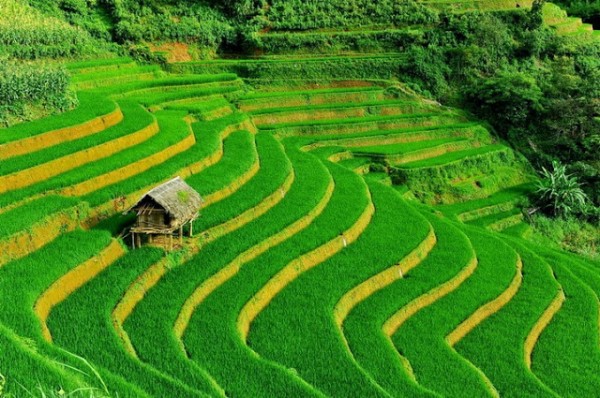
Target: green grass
82, 323
309, 340
90, 106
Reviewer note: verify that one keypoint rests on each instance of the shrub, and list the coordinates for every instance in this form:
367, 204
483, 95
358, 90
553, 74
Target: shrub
33, 84
560, 192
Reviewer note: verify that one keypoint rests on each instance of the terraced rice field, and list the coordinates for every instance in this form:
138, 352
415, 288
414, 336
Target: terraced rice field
309, 273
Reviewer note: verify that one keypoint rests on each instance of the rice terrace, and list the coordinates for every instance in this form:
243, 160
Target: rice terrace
287, 198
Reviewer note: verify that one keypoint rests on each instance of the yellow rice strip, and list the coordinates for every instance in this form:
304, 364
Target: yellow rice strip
541, 325
298, 266
61, 289
488, 309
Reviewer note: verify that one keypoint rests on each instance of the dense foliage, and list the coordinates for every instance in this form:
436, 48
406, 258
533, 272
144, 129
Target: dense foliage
38, 84
314, 14
27, 33
539, 90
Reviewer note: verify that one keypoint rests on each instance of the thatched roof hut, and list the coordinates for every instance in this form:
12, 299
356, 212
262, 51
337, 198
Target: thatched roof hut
166, 208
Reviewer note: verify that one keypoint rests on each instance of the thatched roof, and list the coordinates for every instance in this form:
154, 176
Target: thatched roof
178, 199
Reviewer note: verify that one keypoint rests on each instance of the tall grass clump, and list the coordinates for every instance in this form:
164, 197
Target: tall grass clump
26, 33
23, 85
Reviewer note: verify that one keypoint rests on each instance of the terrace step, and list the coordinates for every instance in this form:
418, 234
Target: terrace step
24, 280
364, 124
274, 101
36, 167
99, 65
265, 117
400, 154
27, 228
299, 320
577, 322
47, 138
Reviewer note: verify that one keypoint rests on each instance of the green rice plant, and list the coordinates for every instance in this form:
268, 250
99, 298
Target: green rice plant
165, 352
191, 92
352, 125
218, 313
371, 106
31, 368
22, 218
455, 156
374, 350
174, 82
259, 101
172, 127
354, 163
497, 345
208, 141
135, 118
90, 106
469, 129
566, 357
82, 323
114, 75
274, 168
464, 210
489, 220
406, 148
297, 329
426, 351
239, 157
24, 280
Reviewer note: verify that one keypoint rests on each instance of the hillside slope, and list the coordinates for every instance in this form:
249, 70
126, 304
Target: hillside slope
309, 275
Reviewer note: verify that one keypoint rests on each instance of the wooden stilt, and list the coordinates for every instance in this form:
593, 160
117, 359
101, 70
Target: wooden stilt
150, 238
191, 229
133, 240
171, 242
181, 235
138, 239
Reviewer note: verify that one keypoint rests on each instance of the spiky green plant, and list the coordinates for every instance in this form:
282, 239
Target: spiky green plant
560, 191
